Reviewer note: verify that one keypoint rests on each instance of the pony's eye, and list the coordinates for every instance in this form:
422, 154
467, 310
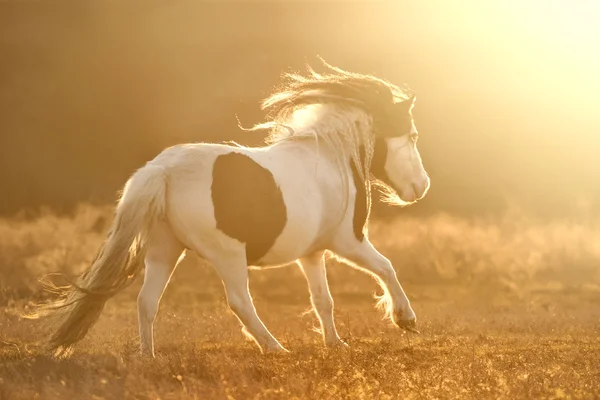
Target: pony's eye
414, 137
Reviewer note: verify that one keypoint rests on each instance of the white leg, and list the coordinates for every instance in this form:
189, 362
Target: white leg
161, 259
396, 304
314, 270
234, 273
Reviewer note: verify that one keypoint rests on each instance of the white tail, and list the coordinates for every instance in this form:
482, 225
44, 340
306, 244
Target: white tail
119, 260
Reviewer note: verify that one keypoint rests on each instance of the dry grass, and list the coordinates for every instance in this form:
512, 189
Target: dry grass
508, 308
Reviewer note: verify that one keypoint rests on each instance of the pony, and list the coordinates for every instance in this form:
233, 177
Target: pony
332, 138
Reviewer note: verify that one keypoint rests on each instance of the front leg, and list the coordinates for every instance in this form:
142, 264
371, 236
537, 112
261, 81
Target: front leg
314, 270
394, 301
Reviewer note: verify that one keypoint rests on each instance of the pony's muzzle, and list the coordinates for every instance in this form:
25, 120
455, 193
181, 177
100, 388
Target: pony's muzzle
420, 189
410, 194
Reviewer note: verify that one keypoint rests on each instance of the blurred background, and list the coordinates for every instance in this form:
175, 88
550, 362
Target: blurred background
508, 91
500, 260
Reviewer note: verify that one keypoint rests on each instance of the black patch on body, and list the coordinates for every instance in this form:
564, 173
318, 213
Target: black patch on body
361, 205
248, 203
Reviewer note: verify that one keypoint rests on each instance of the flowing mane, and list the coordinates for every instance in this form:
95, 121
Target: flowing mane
371, 94
375, 95
352, 109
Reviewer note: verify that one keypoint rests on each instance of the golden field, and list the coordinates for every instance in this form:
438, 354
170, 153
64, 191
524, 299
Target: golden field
508, 307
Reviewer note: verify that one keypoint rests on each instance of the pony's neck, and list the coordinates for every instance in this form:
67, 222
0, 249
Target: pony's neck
327, 119
342, 132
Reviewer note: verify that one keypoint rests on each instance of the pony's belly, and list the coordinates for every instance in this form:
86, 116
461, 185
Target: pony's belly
296, 241
278, 259
274, 259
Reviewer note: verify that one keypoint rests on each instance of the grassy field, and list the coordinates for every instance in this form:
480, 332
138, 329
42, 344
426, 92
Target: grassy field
508, 308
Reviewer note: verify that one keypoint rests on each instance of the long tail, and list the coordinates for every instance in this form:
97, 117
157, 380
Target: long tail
121, 257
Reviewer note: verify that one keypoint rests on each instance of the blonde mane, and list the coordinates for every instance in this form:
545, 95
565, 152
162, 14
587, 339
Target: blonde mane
342, 110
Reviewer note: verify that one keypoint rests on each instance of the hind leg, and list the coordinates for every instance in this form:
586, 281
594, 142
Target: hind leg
162, 255
233, 271
316, 276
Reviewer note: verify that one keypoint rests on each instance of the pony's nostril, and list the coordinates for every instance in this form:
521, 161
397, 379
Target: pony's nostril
416, 190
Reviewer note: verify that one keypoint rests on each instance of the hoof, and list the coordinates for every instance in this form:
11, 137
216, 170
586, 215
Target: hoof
144, 355
275, 350
146, 352
409, 325
338, 344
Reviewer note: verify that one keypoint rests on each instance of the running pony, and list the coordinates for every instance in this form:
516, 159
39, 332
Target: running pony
332, 137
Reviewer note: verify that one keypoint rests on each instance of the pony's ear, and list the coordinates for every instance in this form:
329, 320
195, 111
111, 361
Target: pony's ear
407, 104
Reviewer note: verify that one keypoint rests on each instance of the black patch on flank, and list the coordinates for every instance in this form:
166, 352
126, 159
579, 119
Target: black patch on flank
248, 203
361, 203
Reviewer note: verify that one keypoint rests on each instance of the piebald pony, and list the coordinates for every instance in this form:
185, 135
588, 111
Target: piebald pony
333, 136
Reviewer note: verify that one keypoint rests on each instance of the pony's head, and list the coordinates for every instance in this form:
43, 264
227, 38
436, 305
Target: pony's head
359, 116
397, 165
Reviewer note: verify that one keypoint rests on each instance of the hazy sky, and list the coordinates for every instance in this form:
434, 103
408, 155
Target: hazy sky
507, 90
